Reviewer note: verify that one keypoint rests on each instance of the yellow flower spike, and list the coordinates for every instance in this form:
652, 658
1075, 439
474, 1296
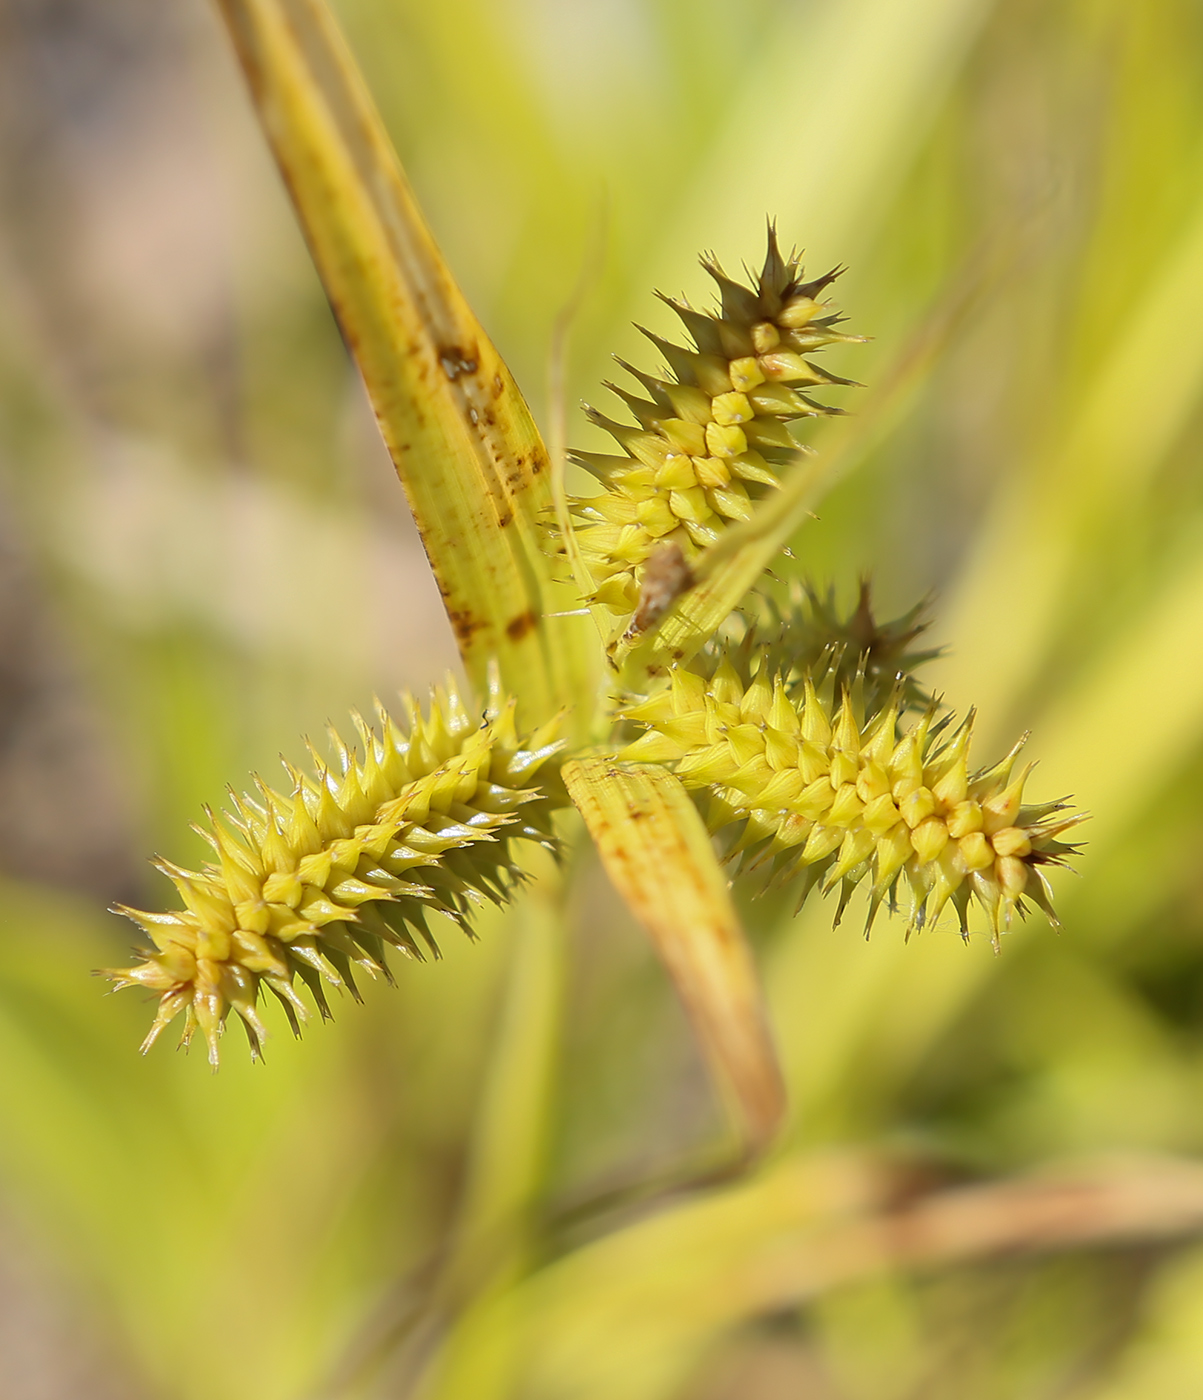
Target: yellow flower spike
872, 783
687, 691
945, 876
917, 806
312, 890
860, 797
894, 849
847, 809
781, 790
783, 717
746, 742
1011, 841
881, 814
239, 871
822, 842
1012, 877
727, 398
815, 800
976, 851
655, 747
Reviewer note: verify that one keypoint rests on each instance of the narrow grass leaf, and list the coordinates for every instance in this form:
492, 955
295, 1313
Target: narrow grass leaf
1083, 484
456, 425
635, 1313
657, 852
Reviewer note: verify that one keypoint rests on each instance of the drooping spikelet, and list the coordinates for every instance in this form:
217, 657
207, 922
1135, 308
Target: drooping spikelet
824, 792
314, 883
712, 437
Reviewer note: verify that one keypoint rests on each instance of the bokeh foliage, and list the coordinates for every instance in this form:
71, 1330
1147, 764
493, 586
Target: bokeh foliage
215, 546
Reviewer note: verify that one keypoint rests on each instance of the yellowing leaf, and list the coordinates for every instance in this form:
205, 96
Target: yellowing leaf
657, 852
463, 440
634, 1313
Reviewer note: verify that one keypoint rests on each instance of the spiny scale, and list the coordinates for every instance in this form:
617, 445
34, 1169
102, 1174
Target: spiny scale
317, 883
819, 789
711, 439
810, 635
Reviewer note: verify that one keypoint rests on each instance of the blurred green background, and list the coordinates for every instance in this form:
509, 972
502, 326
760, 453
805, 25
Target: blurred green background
204, 554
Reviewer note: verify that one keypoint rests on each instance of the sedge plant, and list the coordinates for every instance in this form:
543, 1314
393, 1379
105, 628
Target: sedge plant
621, 654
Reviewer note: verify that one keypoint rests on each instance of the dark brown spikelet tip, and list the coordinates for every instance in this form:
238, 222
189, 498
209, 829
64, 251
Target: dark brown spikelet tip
710, 437
314, 883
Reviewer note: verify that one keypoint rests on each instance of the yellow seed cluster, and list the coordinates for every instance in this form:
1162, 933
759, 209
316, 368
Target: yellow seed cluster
712, 439
313, 884
821, 791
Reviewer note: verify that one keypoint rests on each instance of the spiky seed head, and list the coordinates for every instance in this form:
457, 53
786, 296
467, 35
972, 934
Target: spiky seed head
316, 882
709, 438
812, 787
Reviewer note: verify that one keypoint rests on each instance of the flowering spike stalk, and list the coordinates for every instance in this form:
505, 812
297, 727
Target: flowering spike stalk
710, 438
319, 882
816, 787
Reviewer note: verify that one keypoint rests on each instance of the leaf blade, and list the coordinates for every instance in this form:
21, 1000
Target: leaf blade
467, 450
657, 853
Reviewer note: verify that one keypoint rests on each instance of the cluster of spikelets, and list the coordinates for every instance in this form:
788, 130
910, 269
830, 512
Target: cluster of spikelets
312, 885
814, 751
820, 778
712, 438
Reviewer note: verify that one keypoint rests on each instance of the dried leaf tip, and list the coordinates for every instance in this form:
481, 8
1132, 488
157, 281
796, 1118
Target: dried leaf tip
318, 882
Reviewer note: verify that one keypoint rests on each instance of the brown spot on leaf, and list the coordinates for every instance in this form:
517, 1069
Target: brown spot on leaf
518, 627
457, 361
464, 624
498, 386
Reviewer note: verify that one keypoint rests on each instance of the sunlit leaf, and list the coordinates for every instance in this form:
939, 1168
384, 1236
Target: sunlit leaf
657, 852
456, 425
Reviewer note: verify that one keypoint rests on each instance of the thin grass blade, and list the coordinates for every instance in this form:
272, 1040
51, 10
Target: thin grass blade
657, 852
462, 438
